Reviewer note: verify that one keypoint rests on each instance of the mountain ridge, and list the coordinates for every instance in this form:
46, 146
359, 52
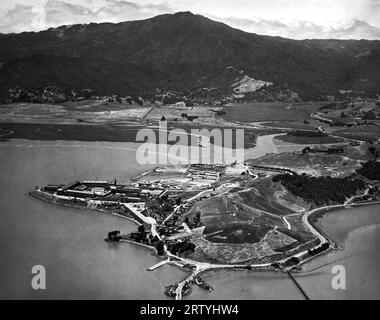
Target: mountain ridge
183, 51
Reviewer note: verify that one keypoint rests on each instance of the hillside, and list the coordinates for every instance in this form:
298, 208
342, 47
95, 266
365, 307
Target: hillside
183, 51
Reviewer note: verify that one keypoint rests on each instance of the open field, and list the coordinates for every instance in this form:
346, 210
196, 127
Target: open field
293, 124
239, 234
270, 111
171, 112
78, 132
364, 152
247, 224
116, 132
100, 111
71, 113
311, 163
363, 133
109, 121
308, 140
101, 105
231, 253
265, 196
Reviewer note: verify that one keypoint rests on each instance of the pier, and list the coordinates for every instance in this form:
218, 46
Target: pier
298, 285
159, 264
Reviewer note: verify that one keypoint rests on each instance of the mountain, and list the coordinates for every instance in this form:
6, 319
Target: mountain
183, 51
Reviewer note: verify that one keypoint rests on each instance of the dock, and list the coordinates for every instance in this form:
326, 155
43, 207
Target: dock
157, 265
298, 285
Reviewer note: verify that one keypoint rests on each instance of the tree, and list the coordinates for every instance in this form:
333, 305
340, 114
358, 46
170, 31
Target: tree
160, 248
306, 150
372, 150
114, 235
370, 170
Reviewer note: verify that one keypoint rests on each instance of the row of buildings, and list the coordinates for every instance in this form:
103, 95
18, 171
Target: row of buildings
103, 190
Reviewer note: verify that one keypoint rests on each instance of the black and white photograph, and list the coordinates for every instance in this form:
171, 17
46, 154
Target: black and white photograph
206, 151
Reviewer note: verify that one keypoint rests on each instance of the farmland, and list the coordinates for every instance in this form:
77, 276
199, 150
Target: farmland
270, 111
308, 139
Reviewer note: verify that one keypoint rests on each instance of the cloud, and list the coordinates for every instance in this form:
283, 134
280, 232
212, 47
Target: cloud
19, 18
56, 13
116, 11
59, 13
295, 29
355, 19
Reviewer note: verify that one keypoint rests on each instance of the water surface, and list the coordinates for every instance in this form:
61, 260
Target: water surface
80, 265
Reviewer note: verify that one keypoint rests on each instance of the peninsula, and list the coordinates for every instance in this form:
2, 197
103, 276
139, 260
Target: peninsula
241, 216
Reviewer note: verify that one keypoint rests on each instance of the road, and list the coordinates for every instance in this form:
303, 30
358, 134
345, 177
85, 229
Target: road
148, 220
149, 111
348, 202
286, 222
318, 116
203, 266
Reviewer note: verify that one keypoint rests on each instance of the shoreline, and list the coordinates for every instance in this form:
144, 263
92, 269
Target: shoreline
35, 195
302, 252
298, 252
313, 218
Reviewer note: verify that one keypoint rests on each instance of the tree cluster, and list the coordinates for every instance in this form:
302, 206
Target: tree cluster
180, 247
370, 170
320, 190
114, 235
307, 133
319, 249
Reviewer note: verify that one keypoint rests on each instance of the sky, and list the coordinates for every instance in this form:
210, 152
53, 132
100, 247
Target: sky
297, 19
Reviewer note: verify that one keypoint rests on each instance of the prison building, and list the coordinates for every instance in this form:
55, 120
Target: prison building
52, 187
71, 185
96, 184
79, 194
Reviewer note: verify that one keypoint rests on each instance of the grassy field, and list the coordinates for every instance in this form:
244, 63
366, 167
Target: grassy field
100, 105
261, 196
312, 163
98, 132
244, 233
270, 111
294, 125
308, 140
80, 132
247, 225
72, 113
364, 133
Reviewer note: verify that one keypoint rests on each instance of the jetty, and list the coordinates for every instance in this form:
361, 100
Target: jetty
159, 264
298, 285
